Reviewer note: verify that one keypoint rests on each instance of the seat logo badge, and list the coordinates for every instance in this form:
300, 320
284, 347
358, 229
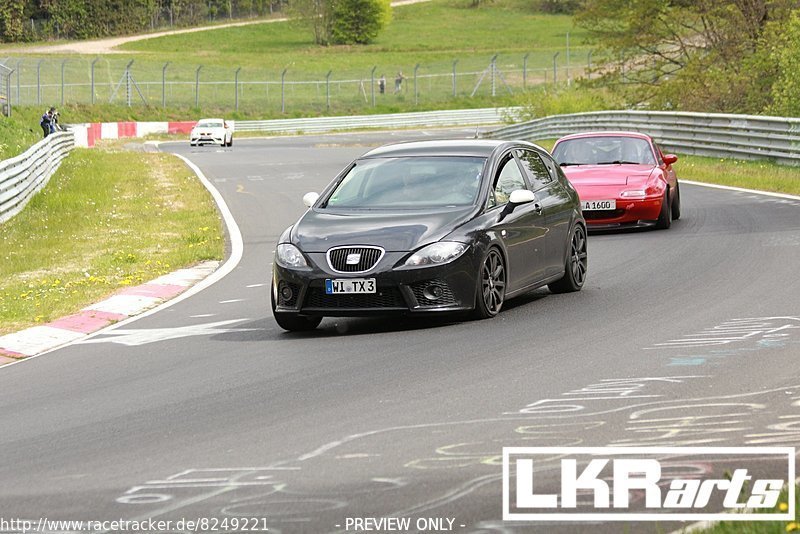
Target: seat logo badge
353, 259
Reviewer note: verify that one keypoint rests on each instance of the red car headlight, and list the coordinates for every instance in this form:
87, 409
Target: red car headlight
633, 193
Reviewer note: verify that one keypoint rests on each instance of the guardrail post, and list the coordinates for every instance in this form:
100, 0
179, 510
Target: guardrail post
525, 71
164, 85
416, 93
328, 90
94, 62
236, 87
283, 90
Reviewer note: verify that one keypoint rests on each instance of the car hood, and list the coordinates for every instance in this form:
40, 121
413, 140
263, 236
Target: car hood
589, 175
395, 231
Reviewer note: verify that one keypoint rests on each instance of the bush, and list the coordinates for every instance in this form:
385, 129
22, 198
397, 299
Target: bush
545, 101
358, 21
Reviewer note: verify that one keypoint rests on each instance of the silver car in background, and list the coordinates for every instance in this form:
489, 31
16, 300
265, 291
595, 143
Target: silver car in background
212, 131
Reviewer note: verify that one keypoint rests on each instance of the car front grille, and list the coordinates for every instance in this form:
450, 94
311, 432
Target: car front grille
388, 297
431, 288
602, 214
354, 259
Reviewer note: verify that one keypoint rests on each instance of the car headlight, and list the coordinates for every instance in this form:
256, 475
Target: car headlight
633, 193
288, 255
437, 254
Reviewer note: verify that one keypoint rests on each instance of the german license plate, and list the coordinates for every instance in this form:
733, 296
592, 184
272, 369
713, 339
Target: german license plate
599, 205
349, 285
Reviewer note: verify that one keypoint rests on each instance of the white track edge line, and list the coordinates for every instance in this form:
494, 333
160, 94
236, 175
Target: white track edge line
740, 189
237, 249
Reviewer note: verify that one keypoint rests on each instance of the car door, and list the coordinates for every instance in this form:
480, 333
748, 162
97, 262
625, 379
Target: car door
522, 230
556, 207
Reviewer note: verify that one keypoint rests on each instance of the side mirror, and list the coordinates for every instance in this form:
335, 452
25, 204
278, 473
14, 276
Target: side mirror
521, 196
517, 197
310, 198
669, 159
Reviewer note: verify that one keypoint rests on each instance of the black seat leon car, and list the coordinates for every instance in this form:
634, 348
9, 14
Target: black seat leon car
431, 227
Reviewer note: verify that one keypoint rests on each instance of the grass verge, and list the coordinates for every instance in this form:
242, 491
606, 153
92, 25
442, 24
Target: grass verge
106, 220
760, 175
760, 527
20, 131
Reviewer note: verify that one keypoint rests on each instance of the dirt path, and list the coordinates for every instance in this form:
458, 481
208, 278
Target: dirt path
108, 46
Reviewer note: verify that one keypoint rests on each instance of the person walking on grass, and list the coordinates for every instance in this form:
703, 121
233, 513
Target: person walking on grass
398, 82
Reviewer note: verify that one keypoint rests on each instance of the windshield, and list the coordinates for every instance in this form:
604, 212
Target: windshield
409, 182
604, 150
211, 124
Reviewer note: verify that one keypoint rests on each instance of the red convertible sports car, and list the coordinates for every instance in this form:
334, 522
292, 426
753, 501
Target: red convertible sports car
622, 178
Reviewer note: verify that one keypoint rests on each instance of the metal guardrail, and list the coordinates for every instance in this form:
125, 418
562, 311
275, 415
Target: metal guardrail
702, 134
469, 117
22, 176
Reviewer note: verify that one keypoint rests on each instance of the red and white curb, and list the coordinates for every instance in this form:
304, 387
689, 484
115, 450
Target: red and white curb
130, 304
86, 135
127, 303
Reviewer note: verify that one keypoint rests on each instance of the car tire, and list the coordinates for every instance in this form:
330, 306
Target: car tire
292, 322
230, 143
676, 203
576, 265
491, 285
665, 217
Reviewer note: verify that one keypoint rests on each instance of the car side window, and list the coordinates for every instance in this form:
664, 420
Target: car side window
508, 179
659, 155
538, 171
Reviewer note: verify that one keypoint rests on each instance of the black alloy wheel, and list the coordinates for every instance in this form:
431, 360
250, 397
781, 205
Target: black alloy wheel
492, 288
676, 203
576, 265
665, 217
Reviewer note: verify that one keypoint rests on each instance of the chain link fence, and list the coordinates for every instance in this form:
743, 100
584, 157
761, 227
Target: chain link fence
51, 81
5, 90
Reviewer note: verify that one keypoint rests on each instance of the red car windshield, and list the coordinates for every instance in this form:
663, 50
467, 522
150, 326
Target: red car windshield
604, 150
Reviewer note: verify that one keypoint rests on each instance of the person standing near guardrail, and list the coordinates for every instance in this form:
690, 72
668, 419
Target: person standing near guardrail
54, 126
47, 121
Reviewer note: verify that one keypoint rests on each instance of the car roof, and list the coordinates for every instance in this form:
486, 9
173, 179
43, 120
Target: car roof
446, 147
211, 120
607, 133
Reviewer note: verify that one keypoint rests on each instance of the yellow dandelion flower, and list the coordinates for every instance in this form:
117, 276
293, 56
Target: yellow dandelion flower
783, 507
791, 527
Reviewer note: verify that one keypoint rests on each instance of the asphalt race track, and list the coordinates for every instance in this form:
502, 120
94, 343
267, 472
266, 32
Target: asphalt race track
689, 336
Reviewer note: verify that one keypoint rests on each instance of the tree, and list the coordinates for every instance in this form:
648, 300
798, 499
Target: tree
685, 53
316, 15
358, 21
12, 13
